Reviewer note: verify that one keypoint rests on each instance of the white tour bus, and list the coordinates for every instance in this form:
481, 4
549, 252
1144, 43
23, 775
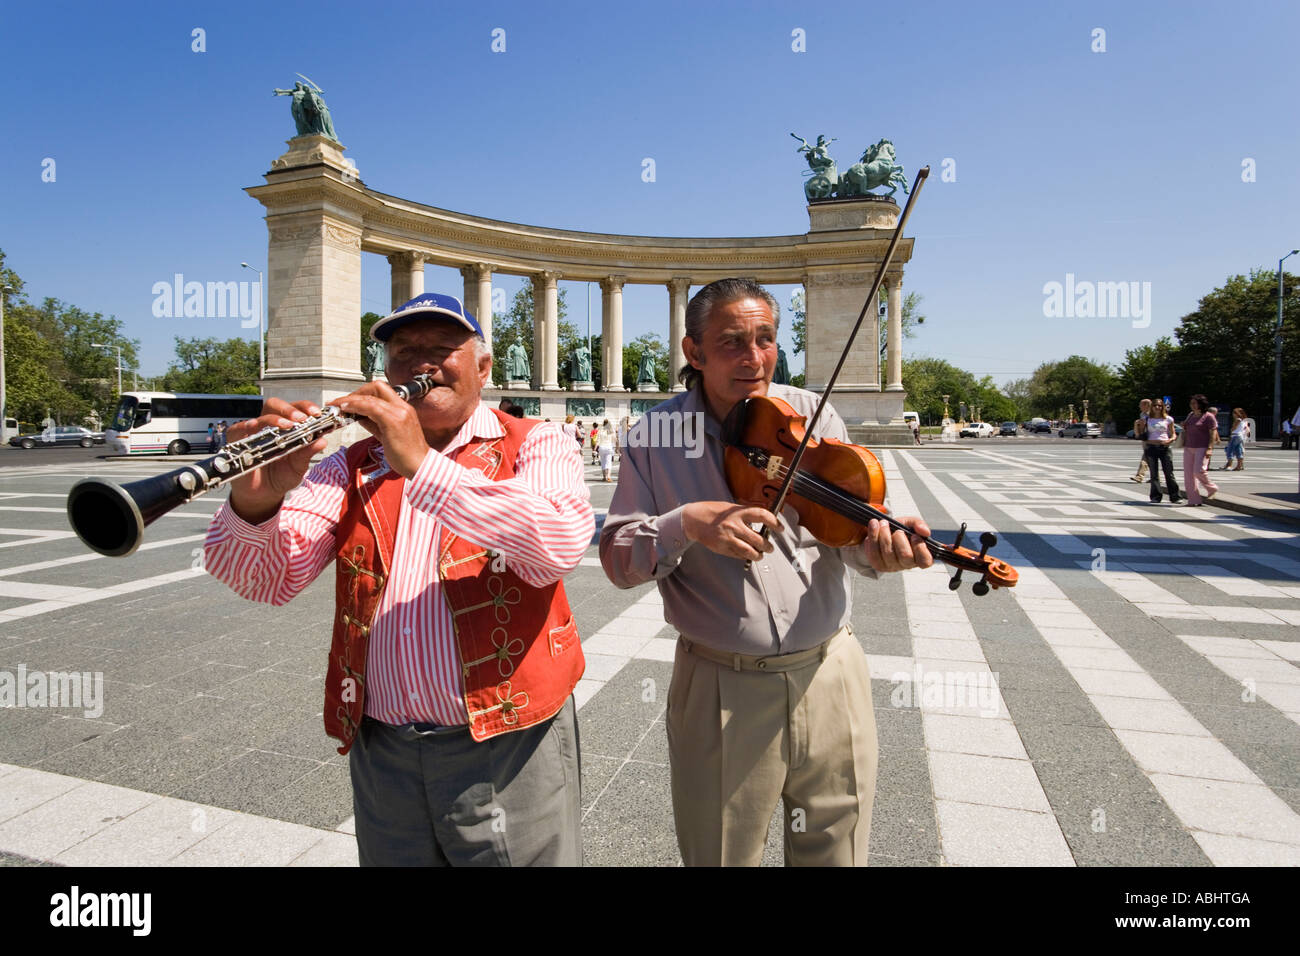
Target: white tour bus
174, 422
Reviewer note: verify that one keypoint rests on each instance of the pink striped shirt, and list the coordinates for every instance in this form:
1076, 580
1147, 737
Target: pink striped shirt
540, 521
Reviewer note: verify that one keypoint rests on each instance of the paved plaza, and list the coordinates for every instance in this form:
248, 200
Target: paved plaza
1135, 700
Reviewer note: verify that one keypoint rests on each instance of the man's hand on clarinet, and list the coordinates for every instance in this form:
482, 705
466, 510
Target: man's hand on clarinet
257, 496
891, 550
394, 422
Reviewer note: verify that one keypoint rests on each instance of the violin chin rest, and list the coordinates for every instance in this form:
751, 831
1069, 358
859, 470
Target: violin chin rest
733, 429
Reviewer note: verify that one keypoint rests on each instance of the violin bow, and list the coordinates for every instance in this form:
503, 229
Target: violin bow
830, 384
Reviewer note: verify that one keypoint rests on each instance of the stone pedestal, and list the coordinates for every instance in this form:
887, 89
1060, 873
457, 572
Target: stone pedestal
517, 383
582, 386
646, 387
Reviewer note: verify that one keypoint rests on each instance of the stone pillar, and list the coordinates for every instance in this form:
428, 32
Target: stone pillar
407, 276
679, 288
833, 301
478, 296
314, 292
546, 331
611, 333
894, 342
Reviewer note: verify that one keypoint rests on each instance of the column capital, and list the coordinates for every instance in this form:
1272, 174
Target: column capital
679, 285
612, 283
547, 277
409, 259
476, 270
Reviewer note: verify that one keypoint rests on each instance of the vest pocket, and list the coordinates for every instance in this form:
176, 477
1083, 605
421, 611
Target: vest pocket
561, 638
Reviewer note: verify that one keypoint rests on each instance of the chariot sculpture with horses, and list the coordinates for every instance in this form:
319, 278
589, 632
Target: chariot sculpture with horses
877, 167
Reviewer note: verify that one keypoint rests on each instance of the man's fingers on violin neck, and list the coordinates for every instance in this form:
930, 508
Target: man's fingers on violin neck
902, 548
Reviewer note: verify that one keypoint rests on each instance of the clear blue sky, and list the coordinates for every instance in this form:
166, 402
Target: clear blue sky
1117, 166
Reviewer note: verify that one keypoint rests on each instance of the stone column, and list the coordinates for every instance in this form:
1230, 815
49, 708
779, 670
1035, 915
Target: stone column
611, 333
546, 331
478, 296
679, 288
407, 276
894, 342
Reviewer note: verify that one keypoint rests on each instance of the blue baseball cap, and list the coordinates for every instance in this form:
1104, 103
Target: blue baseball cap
430, 305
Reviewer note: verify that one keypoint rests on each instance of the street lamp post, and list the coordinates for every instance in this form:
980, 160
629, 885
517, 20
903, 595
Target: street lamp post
261, 318
119, 363
4, 410
1277, 351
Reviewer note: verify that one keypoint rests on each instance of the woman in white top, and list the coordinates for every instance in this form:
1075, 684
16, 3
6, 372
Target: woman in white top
1236, 442
1160, 435
605, 448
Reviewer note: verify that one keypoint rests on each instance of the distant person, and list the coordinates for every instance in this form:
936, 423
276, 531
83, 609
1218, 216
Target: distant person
1199, 430
916, 431
221, 435
595, 429
1288, 433
580, 435
569, 428
605, 448
1159, 436
1139, 432
1237, 440
212, 438
516, 410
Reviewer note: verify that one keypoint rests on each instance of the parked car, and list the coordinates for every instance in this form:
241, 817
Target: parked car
977, 430
59, 435
1082, 430
1008, 428
1040, 426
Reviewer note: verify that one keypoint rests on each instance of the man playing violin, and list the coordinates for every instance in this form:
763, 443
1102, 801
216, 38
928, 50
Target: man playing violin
770, 696
454, 653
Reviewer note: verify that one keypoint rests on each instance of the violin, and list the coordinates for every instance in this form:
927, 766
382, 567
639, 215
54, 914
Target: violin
836, 490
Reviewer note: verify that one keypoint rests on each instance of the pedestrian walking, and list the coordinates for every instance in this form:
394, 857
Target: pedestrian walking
605, 448
572, 430
1139, 432
1237, 440
1199, 431
916, 431
221, 435
595, 429
212, 438
1159, 436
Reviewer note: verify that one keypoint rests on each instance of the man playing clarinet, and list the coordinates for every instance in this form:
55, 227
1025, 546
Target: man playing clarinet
454, 653
770, 696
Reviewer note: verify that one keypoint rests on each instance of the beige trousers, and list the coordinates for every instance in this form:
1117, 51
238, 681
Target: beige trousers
741, 739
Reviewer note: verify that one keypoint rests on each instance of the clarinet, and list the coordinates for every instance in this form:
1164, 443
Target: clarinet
111, 518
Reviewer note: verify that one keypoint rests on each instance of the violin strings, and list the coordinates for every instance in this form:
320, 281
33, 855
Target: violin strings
824, 493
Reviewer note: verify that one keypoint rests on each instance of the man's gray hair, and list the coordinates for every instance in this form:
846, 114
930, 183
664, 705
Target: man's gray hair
700, 309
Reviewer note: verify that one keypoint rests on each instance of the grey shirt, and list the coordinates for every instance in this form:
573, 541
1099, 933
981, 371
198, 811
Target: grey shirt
795, 598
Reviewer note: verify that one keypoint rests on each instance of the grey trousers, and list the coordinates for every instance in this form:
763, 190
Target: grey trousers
425, 797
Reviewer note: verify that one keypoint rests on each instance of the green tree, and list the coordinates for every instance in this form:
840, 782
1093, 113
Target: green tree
927, 380
1148, 371
216, 366
1055, 386
1226, 347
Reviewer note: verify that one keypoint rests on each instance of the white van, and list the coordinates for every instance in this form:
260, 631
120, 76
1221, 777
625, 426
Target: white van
912, 418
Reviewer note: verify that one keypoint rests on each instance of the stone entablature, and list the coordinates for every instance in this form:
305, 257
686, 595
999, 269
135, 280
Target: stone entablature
321, 217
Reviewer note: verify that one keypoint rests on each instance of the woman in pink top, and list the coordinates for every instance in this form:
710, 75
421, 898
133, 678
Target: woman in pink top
1199, 430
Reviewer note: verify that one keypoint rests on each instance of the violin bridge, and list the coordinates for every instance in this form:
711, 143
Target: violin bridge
774, 466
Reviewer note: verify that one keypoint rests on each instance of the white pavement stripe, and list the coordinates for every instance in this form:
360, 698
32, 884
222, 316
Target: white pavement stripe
79, 558
1214, 792
989, 802
1263, 673
86, 595
73, 822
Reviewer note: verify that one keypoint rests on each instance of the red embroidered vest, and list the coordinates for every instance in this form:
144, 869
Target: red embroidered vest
518, 645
